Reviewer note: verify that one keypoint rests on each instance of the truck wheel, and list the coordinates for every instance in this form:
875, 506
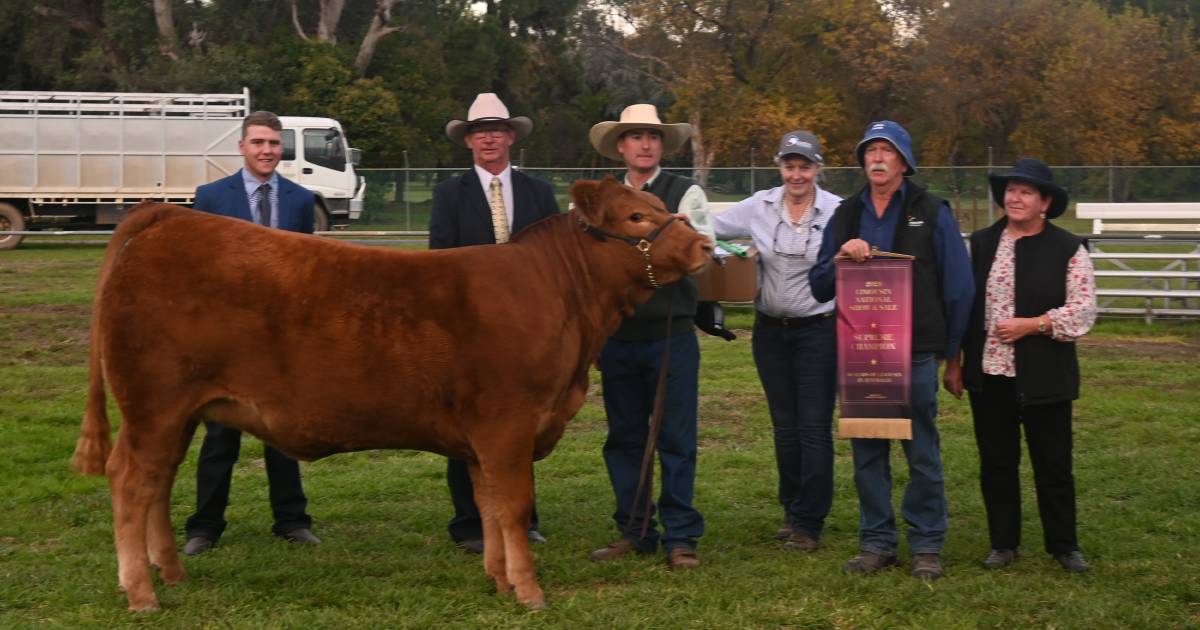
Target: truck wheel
320, 219
10, 220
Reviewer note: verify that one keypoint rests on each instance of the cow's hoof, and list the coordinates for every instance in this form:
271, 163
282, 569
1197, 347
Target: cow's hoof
172, 578
144, 606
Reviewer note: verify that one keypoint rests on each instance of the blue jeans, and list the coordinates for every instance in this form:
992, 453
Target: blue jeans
797, 364
629, 372
924, 503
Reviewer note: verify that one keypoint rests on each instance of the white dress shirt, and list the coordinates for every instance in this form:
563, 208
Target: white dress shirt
506, 190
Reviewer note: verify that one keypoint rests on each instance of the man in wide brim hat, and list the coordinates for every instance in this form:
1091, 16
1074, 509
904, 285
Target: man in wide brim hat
1035, 172
487, 108
604, 136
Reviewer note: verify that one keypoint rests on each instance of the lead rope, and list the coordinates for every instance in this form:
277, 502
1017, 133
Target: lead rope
646, 476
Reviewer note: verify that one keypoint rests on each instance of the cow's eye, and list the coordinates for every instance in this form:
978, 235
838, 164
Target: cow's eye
636, 217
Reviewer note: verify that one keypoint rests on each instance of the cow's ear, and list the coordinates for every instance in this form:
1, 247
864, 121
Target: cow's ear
586, 195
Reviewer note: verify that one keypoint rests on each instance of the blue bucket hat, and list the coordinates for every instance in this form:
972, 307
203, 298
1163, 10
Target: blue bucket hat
893, 133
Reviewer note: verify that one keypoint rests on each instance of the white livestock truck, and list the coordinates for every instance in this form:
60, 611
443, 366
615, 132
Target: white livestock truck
80, 160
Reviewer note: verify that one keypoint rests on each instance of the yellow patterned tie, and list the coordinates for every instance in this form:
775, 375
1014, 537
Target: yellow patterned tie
499, 216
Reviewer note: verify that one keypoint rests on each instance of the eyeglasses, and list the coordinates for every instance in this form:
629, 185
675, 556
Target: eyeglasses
785, 249
490, 132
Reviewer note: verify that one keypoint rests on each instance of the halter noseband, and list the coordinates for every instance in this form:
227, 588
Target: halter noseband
641, 244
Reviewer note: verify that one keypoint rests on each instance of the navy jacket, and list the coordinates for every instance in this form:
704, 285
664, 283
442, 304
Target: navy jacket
227, 197
461, 215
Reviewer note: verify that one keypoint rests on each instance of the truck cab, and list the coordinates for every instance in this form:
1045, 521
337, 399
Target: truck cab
316, 156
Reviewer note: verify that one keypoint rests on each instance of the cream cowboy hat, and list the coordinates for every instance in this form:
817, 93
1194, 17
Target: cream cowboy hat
487, 108
604, 135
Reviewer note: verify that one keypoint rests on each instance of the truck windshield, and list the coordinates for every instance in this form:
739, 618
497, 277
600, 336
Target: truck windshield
325, 147
289, 145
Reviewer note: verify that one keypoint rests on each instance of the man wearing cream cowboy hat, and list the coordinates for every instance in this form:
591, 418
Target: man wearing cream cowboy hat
630, 361
487, 204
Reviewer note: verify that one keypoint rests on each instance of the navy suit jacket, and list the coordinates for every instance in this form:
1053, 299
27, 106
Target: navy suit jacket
461, 214
227, 197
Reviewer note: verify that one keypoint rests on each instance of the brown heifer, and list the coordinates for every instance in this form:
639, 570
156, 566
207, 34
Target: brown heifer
319, 347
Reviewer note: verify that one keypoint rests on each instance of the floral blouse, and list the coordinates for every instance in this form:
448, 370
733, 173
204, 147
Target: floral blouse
1070, 321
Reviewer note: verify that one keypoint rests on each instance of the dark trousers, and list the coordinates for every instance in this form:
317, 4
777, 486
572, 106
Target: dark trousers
218, 454
466, 523
797, 364
998, 423
629, 371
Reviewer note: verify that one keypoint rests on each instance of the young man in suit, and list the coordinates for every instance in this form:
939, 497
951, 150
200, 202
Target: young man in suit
483, 206
255, 193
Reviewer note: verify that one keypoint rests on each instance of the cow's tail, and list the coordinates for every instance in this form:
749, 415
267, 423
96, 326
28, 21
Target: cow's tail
94, 444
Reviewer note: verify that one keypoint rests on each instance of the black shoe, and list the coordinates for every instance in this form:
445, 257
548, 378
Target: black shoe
1073, 562
1000, 558
197, 545
471, 546
301, 535
536, 537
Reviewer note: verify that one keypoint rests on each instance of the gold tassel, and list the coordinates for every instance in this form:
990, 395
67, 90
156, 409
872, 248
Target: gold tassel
882, 428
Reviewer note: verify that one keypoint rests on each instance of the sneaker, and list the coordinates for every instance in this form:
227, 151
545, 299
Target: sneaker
869, 562
927, 566
617, 549
800, 541
682, 558
1000, 558
1073, 562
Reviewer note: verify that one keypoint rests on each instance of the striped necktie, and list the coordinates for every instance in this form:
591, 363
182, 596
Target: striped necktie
499, 216
264, 205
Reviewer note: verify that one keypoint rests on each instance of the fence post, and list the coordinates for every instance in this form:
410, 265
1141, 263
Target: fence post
752, 188
987, 184
407, 206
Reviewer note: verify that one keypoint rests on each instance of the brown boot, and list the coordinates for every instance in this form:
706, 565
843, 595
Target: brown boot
869, 562
927, 566
799, 541
682, 558
621, 547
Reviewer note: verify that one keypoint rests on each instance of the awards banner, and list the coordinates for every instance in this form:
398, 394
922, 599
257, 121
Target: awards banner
874, 330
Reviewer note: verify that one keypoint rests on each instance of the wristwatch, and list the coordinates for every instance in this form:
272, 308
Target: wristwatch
1041, 326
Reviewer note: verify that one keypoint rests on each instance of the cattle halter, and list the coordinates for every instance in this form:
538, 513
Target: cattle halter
641, 244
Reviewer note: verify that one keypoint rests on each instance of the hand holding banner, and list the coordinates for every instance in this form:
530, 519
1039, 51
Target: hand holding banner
874, 328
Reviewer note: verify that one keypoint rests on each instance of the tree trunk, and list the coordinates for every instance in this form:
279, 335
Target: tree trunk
331, 14
378, 30
702, 159
164, 17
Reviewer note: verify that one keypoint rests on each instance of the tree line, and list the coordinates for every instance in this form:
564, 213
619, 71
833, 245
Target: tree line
1076, 82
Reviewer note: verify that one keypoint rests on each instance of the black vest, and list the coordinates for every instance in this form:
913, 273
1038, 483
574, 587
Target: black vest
676, 300
1047, 370
914, 236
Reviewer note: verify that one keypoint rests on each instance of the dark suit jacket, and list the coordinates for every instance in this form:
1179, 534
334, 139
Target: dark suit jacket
461, 214
227, 197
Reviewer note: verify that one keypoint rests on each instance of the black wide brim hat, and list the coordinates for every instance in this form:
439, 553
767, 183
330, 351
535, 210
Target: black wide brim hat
1034, 172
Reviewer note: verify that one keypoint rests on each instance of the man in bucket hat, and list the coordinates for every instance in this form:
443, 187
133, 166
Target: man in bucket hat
485, 205
630, 361
894, 214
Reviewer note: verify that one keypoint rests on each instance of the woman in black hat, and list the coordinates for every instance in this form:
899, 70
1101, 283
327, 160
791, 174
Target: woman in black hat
1020, 365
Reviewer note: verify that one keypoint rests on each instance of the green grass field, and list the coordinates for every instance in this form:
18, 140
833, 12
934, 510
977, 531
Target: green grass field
386, 560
